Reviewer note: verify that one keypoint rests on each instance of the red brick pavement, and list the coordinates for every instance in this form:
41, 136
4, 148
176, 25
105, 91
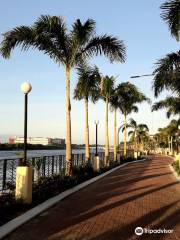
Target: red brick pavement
144, 194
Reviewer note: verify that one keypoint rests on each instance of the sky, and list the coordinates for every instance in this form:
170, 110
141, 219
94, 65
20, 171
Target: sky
137, 23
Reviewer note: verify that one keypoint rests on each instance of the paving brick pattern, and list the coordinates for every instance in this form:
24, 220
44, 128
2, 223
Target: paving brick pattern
144, 194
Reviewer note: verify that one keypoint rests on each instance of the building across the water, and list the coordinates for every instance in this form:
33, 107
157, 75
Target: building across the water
38, 140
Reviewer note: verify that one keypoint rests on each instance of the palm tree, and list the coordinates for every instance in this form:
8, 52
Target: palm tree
88, 87
172, 104
137, 133
49, 34
114, 106
171, 15
107, 89
140, 136
128, 110
167, 134
128, 96
167, 74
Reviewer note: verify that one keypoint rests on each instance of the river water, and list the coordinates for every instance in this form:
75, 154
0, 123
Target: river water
38, 153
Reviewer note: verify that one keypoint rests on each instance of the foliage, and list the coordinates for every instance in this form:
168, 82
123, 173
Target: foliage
163, 135
107, 87
167, 74
88, 85
10, 207
49, 34
128, 96
176, 167
171, 15
172, 104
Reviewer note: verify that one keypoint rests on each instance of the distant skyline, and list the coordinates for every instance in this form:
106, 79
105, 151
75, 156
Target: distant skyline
137, 23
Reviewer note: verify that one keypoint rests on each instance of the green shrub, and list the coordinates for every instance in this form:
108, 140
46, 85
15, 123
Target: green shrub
10, 207
176, 167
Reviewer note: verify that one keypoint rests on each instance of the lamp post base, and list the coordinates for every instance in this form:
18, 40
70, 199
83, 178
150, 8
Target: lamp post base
24, 184
96, 164
135, 155
118, 158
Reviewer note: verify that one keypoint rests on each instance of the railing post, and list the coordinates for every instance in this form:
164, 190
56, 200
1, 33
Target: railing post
33, 165
44, 167
4, 174
52, 170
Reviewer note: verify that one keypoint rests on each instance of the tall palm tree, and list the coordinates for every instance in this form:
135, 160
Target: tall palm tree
49, 34
171, 15
128, 96
114, 106
107, 89
88, 87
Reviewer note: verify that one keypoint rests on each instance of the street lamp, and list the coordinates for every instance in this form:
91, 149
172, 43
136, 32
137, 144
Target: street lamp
144, 75
96, 123
25, 88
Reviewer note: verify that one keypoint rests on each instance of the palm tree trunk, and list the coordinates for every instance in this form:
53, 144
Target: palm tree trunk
125, 153
135, 140
169, 143
86, 131
106, 135
68, 124
115, 137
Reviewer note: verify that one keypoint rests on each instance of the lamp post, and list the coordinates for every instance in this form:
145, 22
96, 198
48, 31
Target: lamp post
24, 173
25, 88
96, 123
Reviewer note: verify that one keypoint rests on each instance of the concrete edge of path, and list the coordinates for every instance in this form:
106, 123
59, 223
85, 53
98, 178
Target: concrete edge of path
175, 173
18, 221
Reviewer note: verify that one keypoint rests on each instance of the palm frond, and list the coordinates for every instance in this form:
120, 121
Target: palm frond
88, 85
82, 33
172, 104
20, 36
111, 47
167, 74
171, 15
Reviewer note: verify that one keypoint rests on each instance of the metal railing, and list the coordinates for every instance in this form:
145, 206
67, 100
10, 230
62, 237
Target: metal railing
44, 166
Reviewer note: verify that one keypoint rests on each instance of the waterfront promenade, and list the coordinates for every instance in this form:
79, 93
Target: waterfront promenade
144, 194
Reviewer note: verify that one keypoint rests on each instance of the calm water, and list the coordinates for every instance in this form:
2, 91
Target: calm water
36, 153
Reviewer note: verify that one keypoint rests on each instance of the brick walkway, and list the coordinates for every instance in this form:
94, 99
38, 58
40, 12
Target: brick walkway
144, 194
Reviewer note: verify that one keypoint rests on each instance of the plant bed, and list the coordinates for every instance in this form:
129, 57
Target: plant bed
176, 167
46, 188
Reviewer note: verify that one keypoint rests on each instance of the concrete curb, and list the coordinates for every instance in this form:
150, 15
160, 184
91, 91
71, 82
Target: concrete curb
18, 221
175, 173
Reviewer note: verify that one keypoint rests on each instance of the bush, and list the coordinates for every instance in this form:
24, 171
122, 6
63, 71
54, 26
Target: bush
176, 167
10, 207
83, 173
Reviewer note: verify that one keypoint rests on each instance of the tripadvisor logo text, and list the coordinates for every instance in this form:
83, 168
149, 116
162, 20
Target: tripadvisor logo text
140, 230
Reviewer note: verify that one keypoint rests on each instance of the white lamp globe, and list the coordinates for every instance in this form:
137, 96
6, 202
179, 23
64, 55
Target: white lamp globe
26, 87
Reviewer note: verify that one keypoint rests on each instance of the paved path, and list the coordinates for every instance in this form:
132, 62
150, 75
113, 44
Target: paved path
144, 194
